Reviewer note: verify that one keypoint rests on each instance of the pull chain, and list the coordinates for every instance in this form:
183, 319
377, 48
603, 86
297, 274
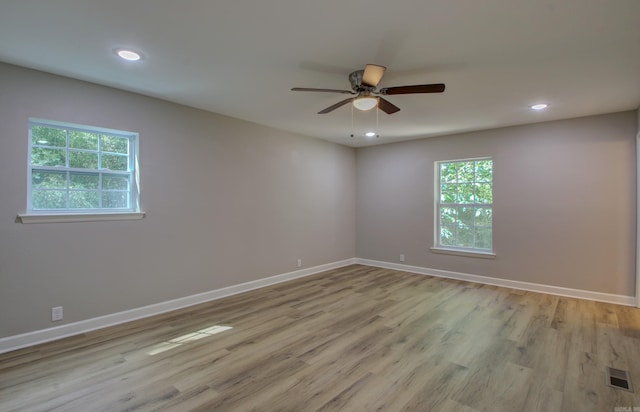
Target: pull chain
377, 121
352, 130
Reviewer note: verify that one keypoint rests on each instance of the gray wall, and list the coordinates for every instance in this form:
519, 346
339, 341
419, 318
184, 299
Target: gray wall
227, 202
564, 202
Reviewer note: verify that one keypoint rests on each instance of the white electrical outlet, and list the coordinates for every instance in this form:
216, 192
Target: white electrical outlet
56, 313
299, 263
401, 258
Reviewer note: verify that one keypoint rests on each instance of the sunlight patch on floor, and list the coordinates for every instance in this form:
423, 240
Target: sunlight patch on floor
189, 337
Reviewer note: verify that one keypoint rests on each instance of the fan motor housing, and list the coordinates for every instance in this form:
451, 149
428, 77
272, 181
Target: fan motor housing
355, 78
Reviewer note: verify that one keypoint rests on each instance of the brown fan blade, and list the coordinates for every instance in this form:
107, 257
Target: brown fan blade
418, 88
307, 89
335, 106
386, 106
372, 75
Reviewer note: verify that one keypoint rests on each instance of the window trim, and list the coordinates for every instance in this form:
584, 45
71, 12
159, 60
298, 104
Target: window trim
463, 252
453, 250
78, 217
134, 212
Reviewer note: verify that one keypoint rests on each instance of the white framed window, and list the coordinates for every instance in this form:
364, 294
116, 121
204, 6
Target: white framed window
77, 169
464, 205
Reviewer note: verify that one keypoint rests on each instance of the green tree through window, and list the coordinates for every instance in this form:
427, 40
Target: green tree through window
76, 168
465, 204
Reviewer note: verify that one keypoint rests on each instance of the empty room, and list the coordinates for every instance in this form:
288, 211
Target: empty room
306, 206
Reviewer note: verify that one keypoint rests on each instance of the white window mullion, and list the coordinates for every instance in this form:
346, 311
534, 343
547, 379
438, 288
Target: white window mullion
30, 171
100, 189
66, 154
134, 191
68, 189
100, 151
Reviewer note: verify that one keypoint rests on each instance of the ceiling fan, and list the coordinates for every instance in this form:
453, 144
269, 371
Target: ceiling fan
363, 86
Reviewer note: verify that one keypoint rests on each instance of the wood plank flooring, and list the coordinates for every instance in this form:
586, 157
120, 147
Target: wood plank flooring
353, 339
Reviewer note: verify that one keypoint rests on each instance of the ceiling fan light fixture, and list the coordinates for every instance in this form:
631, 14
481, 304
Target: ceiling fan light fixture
370, 134
365, 102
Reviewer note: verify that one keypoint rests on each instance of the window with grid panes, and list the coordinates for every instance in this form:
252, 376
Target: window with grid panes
464, 205
81, 169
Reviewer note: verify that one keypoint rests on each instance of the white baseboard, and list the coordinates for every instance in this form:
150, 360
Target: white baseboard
513, 284
45, 335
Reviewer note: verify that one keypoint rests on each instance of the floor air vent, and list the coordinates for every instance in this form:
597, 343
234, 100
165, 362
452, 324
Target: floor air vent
619, 379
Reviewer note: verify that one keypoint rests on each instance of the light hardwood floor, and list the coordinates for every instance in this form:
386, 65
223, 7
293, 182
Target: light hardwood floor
353, 339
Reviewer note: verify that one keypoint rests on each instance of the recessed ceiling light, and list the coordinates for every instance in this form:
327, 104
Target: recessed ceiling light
129, 55
539, 106
370, 134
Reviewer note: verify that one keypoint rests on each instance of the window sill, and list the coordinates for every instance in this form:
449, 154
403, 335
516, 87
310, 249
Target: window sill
464, 253
77, 217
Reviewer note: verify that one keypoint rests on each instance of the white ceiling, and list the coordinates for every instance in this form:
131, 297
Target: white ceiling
241, 57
